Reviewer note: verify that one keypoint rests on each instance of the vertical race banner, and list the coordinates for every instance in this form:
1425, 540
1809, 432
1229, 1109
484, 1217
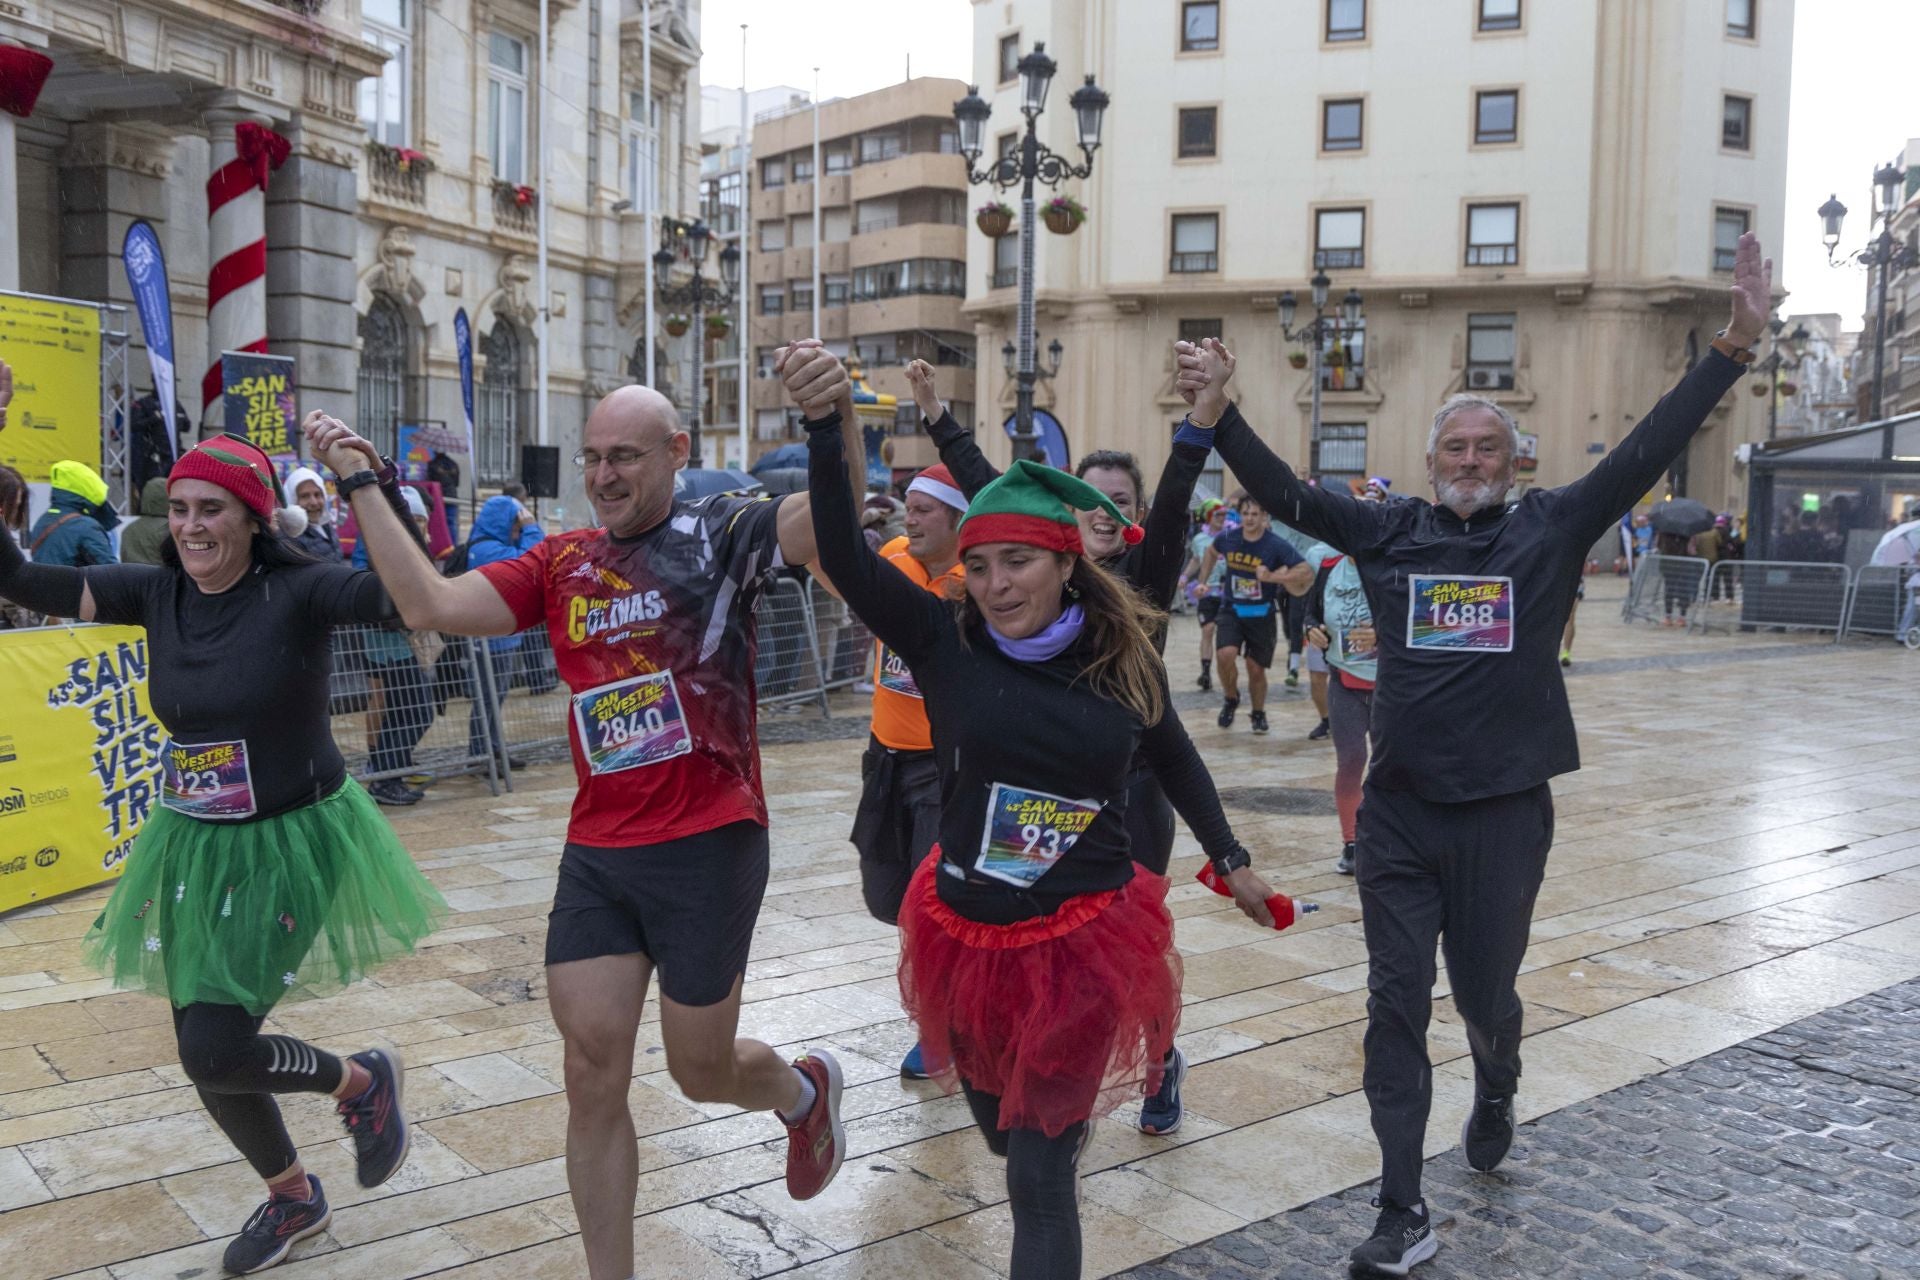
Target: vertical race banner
54, 348
80, 757
463, 348
258, 395
147, 276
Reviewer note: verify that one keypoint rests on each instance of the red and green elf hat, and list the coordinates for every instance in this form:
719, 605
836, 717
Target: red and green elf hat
239, 466
1034, 504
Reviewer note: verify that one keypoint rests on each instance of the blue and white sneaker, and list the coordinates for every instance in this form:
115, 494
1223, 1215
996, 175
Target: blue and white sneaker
1160, 1114
913, 1067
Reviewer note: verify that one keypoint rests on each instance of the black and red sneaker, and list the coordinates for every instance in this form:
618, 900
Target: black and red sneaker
815, 1145
275, 1226
374, 1119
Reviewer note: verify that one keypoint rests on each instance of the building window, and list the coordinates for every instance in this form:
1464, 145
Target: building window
773, 173
722, 205
1728, 226
946, 277
1342, 122
763, 358
1346, 20
773, 299
1006, 262
1196, 242
835, 290
1736, 123
1496, 116
839, 160
1499, 15
496, 409
1490, 349
386, 24
1493, 235
1199, 26
1340, 451
1339, 239
507, 107
642, 155
836, 225
875, 147
773, 236
803, 168
800, 295
383, 373
1198, 330
1009, 58
1740, 15
1199, 127
1343, 357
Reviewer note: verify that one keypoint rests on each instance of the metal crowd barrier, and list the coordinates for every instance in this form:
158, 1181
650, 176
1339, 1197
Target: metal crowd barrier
399, 703
787, 668
846, 646
1880, 601
1780, 595
1663, 587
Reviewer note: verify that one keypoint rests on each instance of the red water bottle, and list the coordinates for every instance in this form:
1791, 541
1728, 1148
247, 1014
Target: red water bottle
1285, 909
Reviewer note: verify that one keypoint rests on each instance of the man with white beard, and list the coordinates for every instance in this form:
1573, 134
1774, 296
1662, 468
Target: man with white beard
1470, 720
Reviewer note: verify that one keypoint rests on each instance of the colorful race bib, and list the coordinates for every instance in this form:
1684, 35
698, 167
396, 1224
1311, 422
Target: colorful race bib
1028, 831
1472, 614
208, 780
1248, 590
631, 723
894, 674
1351, 651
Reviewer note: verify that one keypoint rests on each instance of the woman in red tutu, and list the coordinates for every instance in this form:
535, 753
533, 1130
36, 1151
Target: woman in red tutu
1037, 957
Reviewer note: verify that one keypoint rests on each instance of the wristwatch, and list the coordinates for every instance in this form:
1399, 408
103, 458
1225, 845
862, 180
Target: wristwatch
385, 477
1724, 345
1232, 862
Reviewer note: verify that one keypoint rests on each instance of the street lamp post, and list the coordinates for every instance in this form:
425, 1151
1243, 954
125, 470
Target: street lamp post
1031, 162
691, 241
1883, 254
1319, 330
1778, 358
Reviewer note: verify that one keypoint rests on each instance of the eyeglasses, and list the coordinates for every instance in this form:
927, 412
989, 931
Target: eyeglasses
620, 458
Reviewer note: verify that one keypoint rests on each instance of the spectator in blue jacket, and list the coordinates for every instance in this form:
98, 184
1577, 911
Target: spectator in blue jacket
503, 530
73, 531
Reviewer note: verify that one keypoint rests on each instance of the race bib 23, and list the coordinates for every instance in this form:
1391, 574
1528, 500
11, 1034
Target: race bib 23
208, 780
1460, 613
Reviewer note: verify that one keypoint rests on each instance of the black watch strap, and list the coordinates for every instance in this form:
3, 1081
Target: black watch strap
358, 480
1232, 862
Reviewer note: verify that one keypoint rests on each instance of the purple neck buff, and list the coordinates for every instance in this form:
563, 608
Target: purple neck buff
1043, 645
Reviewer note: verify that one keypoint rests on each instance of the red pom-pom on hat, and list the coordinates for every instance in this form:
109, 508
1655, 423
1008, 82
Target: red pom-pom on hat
1134, 535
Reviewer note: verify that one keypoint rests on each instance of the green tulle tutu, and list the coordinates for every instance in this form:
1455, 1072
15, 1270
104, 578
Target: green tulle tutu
253, 913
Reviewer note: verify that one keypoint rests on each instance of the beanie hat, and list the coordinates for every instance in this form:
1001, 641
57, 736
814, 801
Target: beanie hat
937, 483
239, 466
416, 505
80, 479
1034, 504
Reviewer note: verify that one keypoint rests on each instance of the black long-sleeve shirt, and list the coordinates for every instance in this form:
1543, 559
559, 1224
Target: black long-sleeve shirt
1002, 726
1470, 702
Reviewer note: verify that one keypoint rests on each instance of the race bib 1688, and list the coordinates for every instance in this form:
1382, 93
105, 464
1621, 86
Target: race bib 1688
1460, 613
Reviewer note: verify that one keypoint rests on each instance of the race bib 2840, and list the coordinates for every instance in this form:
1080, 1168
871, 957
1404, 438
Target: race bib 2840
1461, 613
631, 723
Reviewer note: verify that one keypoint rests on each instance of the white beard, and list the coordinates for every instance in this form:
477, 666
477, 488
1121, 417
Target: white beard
1471, 495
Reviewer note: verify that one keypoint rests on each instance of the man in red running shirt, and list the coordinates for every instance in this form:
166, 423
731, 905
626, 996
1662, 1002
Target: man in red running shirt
651, 622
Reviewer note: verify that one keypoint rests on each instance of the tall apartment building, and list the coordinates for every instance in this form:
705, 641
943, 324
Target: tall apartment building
413, 188
1900, 359
1536, 199
892, 191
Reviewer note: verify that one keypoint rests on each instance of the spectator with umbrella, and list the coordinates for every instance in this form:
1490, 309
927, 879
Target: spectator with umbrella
1675, 522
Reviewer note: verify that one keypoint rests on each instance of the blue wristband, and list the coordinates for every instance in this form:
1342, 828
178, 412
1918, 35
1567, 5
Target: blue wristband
1192, 434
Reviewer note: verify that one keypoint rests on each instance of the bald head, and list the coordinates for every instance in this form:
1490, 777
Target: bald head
638, 414
631, 448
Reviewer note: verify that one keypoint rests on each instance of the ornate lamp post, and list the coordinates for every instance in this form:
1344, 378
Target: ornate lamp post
1028, 163
1320, 330
1883, 255
1786, 353
691, 241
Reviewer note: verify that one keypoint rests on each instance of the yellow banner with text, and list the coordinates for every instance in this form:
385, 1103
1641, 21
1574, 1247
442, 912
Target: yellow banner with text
54, 348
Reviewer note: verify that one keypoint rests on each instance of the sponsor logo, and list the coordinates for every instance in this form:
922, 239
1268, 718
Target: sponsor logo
589, 616
7, 753
46, 857
13, 800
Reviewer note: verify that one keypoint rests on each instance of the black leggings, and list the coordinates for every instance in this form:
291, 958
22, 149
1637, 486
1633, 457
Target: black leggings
1041, 1187
237, 1071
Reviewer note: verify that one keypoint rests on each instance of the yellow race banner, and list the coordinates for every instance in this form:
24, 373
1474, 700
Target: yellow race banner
54, 348
79, 757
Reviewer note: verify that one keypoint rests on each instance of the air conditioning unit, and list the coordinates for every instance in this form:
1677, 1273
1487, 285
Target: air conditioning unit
1483, 380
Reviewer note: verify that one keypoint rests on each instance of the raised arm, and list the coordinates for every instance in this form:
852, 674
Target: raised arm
798, 545
55, 590
1163, 549
958, 449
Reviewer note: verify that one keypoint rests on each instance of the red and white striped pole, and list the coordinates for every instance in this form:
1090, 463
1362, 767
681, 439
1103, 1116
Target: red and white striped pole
244, 153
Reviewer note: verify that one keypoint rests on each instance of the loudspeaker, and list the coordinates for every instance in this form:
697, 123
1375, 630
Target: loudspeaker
540, 470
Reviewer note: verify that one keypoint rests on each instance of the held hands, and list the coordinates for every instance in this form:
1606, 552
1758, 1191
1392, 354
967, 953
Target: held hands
815, 379
335, 444
1752, 292
920, 378
1204, 369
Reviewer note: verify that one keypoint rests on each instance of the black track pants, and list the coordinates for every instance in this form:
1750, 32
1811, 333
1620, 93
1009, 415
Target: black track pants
237, 1071
1041, 1191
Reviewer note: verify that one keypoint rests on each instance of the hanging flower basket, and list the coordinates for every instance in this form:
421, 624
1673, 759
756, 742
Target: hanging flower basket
1298, 359
1759, 389
718, 326
995, 219
1789, 389
677, 324
1064, 215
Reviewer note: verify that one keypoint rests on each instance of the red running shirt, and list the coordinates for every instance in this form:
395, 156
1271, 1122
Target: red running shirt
654, 636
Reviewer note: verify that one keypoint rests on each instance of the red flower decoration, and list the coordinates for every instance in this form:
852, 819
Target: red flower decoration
523, 196
23, 73
260, 149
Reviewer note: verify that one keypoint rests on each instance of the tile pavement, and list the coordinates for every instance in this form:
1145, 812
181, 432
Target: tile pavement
1741, 851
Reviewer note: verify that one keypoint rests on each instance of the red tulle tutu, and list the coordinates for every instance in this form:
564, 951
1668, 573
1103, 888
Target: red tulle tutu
1064, 1017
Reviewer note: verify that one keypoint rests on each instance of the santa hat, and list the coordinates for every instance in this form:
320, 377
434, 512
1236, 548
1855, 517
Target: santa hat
1034, 504
937, 483
238, 466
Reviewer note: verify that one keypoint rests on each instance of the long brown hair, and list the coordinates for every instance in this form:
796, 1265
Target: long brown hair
13, 499
1120, 628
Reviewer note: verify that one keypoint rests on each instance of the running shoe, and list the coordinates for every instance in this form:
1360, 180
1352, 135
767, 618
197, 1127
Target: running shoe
374, 1119
1488, 1132
1205, 682
1160, 1113
1320, 730
1293, 677
1227, 709
392, 791
913, 1067
1257, 721
275, 1228
1401, 1239
1345, 865
815, 1145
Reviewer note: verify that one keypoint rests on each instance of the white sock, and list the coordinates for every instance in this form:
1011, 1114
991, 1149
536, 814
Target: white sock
802, 1107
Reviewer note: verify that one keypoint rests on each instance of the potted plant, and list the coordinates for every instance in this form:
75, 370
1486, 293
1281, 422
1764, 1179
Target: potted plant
1064, 215
718, 325
1789, 389
1297, 357
994, 218
677, 324
1759, 389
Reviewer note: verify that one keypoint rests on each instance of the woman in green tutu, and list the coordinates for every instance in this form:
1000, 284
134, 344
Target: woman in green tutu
265, 871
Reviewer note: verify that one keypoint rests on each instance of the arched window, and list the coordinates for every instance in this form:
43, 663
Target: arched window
384, 344
662, 379
496, 408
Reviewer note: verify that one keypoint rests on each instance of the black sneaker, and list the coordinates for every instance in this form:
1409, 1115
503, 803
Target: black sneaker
274, 1228
1160, 1113
1488, 1132
1227, 709
392, 791
1345, 865
1320, 730
1401, 1239
1205, 682
1257, 721
374, 1119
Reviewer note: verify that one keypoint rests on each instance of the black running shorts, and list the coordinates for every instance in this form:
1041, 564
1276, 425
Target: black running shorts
1254, 637
1209, 609
689, 905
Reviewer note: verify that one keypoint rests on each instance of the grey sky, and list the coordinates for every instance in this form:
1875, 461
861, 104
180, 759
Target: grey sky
1854, 100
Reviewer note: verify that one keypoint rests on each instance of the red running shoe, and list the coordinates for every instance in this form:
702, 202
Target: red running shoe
815, 1145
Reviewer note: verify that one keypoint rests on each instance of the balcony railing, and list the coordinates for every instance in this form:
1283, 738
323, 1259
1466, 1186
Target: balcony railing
1191, 262
397, 175
1493, 255
1004, 278
516, 208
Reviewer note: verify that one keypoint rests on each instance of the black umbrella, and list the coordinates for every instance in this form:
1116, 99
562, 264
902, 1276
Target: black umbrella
787, 455
1683, 516
779, 480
